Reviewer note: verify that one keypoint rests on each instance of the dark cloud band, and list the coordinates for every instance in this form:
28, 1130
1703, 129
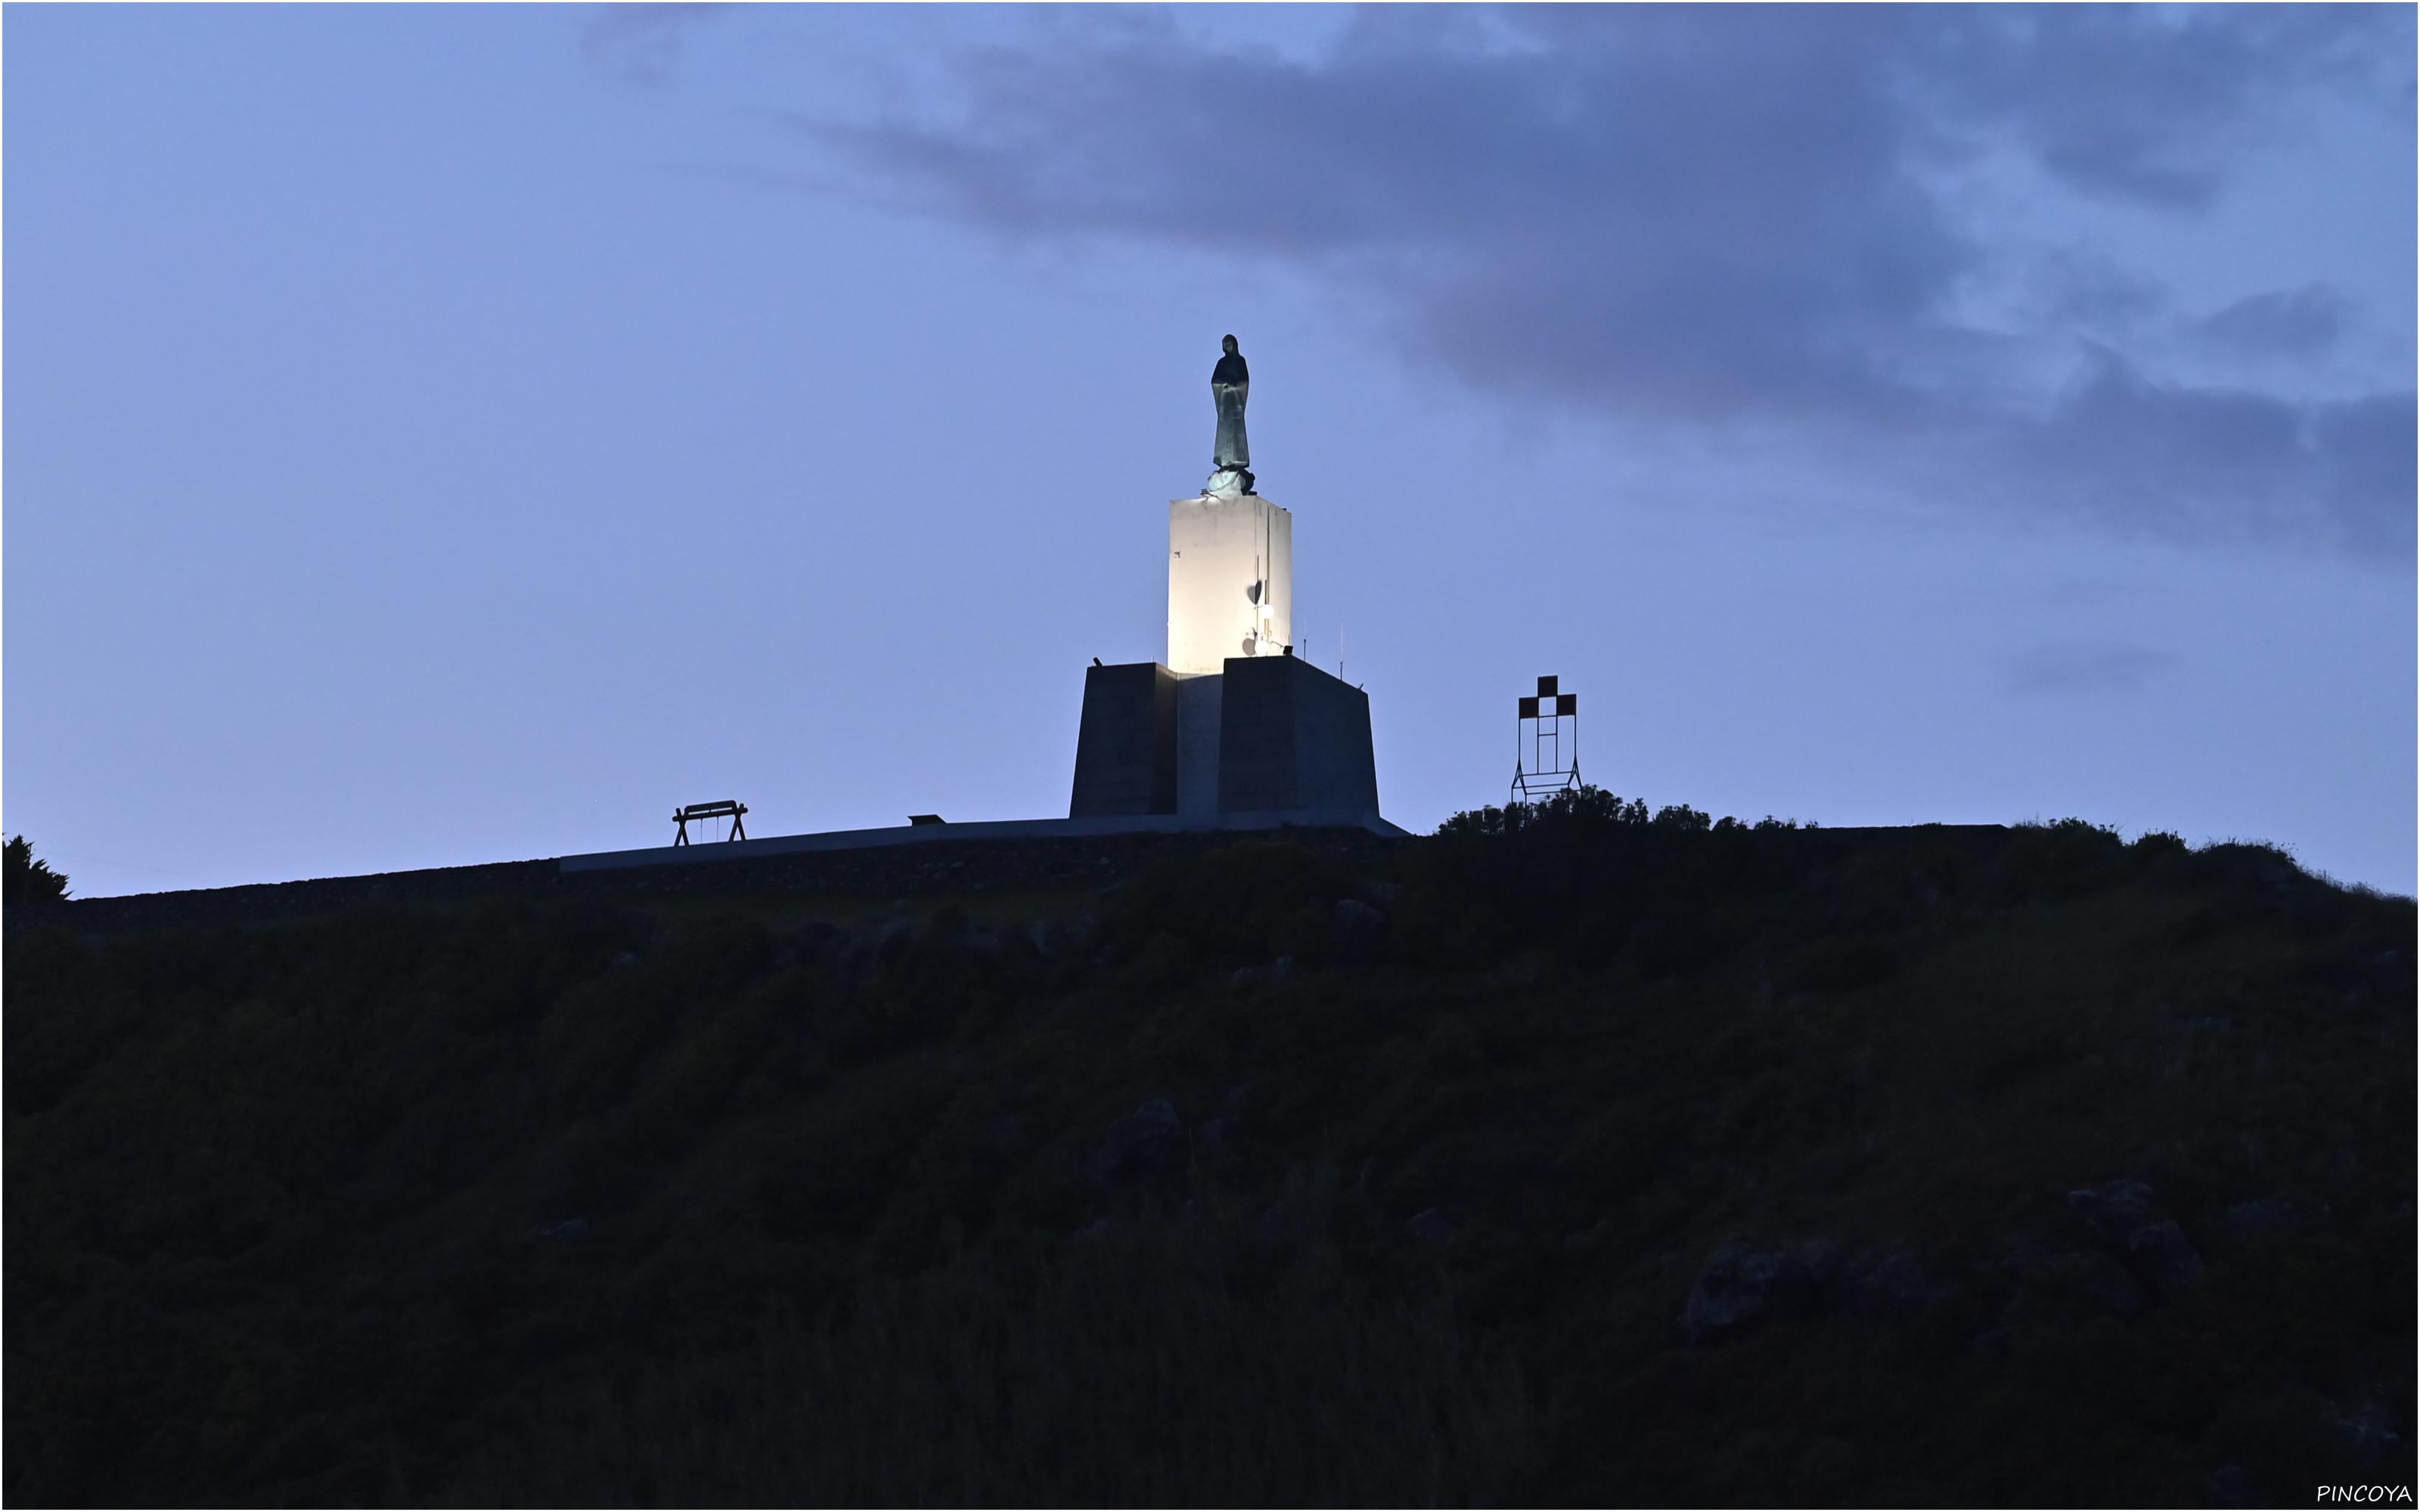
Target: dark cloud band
1725, 215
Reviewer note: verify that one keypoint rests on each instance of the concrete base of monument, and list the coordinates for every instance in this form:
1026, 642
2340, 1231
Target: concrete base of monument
1270, 743
858, 840
1268, 734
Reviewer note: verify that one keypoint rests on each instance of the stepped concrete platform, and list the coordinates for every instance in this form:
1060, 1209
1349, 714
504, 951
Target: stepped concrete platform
990, 829
923, 860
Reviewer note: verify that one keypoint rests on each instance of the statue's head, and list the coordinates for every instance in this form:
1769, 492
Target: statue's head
1227, 345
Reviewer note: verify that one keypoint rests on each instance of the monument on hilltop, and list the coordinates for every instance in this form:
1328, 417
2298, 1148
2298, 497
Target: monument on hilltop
1230, 552
1233, 730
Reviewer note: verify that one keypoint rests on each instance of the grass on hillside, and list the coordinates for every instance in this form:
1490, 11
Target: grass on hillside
711, 1202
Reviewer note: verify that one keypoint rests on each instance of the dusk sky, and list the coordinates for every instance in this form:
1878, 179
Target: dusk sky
449, 434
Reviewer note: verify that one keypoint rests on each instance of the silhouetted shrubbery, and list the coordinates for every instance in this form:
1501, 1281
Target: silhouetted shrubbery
25, 880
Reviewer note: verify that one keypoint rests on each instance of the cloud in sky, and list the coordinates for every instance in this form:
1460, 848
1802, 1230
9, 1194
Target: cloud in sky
640, 43
2300, 322
1753, 221
2085, 667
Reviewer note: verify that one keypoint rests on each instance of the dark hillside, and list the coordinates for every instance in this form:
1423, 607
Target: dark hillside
1591, 1159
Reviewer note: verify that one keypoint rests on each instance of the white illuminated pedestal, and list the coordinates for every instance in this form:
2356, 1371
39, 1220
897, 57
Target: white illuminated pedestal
1230, 580
1233, 731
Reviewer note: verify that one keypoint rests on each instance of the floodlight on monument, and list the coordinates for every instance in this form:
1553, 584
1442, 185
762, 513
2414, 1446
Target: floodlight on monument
1545, 743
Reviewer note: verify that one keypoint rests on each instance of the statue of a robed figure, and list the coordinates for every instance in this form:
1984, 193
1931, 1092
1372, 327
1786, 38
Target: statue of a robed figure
1231, 455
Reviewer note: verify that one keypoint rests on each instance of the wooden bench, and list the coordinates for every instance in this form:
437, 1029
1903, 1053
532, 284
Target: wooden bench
725, 809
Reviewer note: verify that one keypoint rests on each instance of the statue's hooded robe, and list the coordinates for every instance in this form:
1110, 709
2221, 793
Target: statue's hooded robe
1230, 382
